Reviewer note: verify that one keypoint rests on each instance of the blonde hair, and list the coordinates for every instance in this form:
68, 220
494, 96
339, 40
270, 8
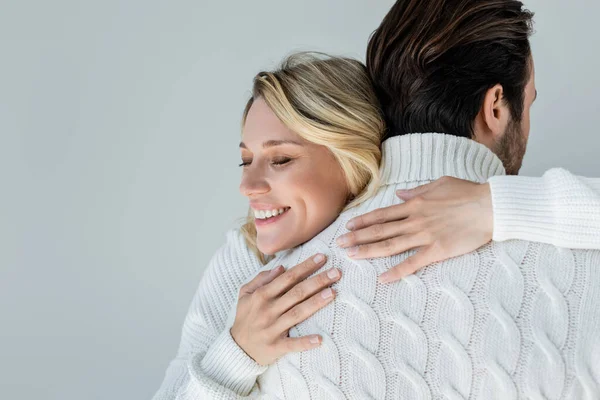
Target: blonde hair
328, 101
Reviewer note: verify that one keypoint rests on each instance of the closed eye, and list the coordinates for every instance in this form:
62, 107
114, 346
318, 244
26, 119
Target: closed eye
281, 161
275, 162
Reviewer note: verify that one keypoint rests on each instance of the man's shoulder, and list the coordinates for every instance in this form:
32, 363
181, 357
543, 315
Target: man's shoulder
529, 252
526, 253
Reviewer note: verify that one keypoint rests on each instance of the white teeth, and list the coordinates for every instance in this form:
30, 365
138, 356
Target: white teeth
261, 214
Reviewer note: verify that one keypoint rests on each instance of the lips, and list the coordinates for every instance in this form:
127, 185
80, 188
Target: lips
266, 206
269, 221
262, 214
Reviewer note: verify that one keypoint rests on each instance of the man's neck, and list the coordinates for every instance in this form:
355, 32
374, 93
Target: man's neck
429, 156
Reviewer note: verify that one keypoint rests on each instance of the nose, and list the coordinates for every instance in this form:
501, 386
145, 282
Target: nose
253, 183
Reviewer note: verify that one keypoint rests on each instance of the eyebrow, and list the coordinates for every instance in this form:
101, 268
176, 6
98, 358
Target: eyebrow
273, 143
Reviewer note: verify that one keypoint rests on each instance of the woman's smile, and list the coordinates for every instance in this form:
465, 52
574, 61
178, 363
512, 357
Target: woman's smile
269, 217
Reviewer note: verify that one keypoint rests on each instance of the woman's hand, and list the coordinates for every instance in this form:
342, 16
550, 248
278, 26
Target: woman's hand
446, 218
273, 302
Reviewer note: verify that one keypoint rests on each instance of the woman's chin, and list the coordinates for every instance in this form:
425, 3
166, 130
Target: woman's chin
270, 248
274, 243
271, 244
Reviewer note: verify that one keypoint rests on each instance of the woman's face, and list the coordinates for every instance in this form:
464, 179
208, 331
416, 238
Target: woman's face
283, 174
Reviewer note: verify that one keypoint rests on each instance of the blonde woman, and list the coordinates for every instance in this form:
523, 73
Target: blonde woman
311, 155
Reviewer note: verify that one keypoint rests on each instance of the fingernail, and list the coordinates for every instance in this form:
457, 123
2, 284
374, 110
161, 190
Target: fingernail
327, 293
352, 251
350, 225
402, 191
314, 339
384, 278
333, 273
342, 240
318, 258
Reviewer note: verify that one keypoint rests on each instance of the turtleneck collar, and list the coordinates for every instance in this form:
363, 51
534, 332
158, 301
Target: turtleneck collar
429, 156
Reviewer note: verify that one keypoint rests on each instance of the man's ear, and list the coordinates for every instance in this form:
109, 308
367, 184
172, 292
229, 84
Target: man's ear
493, 118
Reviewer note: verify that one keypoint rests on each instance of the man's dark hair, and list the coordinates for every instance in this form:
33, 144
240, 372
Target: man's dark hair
432, 62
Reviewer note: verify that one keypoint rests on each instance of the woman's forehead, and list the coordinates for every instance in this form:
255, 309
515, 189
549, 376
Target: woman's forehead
262, 125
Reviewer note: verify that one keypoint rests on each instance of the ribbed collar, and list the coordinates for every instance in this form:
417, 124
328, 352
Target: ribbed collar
429, 156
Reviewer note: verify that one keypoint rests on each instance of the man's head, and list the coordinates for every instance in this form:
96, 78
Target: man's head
461, 67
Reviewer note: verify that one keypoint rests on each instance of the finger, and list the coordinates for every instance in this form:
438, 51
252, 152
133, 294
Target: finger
301, 311
260, 280
379, 216
305, 289
419, 190
387, 247
284, 282
409, 266
297, 344
376, 233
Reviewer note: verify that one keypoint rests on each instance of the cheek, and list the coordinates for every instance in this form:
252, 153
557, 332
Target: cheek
327, 195
325, 198
526, 124
319, 196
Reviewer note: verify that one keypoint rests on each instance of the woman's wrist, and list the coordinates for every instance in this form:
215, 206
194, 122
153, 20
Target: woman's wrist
228, 364
484, 196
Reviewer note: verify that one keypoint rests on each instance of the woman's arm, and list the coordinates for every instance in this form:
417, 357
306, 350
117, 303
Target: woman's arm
235, 300
209, 364
559, 208
450, 217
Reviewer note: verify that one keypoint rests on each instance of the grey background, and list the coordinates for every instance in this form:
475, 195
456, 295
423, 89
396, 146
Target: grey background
119, 125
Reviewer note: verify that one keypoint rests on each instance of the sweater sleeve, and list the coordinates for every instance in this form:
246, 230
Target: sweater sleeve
559, 208
209, 364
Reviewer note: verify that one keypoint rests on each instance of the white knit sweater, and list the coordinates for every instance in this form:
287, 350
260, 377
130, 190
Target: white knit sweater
513, 319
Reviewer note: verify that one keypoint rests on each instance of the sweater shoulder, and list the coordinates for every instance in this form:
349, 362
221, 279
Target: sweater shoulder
232, 264
234, 246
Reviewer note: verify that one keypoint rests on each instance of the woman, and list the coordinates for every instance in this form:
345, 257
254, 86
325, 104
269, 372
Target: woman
310, 149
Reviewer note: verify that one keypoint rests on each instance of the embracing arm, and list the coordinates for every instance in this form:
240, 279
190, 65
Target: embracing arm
559, 208
209, 364
450, 217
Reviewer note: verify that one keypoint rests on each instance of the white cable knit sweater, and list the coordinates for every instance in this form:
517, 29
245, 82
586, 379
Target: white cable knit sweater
514, 319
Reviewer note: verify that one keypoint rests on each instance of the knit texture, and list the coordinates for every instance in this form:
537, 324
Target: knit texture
560, 209
514, 319
204, 333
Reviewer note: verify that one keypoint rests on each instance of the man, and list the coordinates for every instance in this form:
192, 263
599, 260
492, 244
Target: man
468, 72
512, 319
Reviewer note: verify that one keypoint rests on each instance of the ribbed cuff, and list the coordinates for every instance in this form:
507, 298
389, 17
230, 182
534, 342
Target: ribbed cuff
227, 364
524, 208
